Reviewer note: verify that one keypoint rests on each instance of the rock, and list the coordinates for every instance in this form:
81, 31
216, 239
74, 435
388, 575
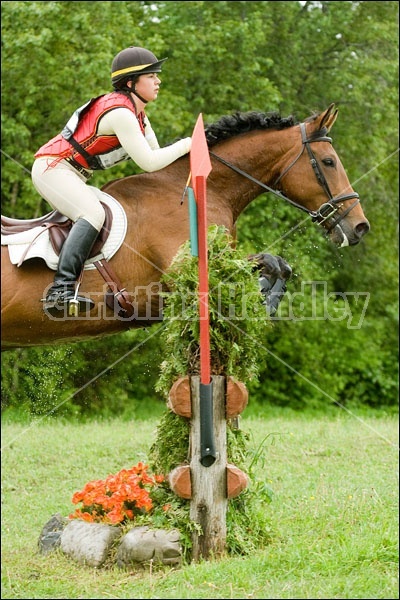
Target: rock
88, 543
50, 535
142, 544
91, 543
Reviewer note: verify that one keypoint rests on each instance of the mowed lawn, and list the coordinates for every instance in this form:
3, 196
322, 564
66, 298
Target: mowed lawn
333, 517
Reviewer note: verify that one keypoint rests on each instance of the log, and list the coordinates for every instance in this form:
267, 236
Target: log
208, 504
179, 400
180, 481
237, 397
236, 481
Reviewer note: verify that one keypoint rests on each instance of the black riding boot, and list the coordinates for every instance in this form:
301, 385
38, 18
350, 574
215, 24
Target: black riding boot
73, 255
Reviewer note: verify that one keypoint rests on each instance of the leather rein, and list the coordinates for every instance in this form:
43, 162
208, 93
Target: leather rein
329, 211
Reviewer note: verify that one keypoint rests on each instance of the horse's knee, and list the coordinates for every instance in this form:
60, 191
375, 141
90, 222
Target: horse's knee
285, 268
266, 264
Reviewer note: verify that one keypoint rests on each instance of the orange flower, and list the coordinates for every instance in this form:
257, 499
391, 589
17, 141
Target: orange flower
114, 499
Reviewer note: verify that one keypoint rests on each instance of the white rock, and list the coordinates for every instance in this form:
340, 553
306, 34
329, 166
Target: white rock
142, 544
88, 543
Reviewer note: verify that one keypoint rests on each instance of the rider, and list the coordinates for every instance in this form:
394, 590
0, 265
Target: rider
103, 132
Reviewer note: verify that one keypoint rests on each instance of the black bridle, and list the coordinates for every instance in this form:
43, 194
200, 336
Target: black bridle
328, 214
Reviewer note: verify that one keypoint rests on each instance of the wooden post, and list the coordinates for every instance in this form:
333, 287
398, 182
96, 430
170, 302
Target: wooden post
208, 488
209, 480
208, 503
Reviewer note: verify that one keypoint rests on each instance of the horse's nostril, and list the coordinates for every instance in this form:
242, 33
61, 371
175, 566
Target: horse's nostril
362, 228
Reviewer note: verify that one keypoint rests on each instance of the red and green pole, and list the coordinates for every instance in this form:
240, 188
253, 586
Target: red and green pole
200, 166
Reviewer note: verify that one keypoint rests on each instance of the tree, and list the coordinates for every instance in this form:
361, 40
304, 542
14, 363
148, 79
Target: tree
295, 57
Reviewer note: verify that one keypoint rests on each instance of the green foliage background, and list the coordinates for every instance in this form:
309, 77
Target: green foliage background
294, 57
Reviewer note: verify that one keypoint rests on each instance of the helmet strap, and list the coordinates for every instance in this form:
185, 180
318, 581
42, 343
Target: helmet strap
133, 91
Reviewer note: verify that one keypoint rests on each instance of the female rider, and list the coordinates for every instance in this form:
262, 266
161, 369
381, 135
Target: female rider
106, 130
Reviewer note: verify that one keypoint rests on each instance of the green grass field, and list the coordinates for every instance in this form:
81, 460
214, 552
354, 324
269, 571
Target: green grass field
333, 517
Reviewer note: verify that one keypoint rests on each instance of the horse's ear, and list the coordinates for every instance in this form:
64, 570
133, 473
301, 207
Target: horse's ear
329, 116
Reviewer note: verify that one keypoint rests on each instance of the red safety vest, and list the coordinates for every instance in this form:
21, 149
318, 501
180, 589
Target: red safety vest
86, 131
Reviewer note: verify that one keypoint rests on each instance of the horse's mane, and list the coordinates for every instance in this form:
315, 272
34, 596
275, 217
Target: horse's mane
240, 122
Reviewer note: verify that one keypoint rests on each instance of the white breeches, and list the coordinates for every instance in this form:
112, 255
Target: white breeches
65, 189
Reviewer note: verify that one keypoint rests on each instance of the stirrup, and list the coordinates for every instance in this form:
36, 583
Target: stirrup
69, 306
79, 304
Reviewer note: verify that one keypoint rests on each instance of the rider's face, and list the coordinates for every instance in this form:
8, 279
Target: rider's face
147, 86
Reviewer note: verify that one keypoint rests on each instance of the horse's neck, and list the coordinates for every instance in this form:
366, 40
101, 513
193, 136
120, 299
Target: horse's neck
260, 154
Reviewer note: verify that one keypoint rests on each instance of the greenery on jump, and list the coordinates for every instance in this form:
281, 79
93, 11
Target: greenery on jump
237, 318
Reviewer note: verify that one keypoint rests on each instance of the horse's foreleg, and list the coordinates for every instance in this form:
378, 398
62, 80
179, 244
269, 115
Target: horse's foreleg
271, 266
274, 272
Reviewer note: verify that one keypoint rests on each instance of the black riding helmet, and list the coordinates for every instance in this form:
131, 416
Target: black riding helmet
132, 62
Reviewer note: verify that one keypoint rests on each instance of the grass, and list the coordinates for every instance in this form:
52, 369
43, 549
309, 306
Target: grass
333, 517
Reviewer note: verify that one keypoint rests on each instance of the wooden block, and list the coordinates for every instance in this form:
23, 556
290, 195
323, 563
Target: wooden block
236, 397
179, 399
180, 481
236, 481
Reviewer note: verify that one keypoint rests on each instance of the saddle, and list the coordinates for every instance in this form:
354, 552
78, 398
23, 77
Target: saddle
58, 227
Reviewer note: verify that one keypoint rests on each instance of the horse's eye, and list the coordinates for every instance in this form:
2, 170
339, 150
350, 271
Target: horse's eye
328, 162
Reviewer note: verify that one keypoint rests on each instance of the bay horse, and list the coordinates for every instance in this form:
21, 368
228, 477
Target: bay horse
251, 153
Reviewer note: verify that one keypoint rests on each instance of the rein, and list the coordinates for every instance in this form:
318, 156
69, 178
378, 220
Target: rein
260, 183
326, 211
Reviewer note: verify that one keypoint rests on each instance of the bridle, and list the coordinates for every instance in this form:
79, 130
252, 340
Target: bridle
328, 214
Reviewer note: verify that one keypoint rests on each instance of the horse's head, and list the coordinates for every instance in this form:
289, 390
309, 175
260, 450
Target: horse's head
316, 180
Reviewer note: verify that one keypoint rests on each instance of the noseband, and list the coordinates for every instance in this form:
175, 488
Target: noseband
328, 214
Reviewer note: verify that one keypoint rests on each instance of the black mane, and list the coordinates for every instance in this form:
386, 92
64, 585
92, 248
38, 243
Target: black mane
231, 125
